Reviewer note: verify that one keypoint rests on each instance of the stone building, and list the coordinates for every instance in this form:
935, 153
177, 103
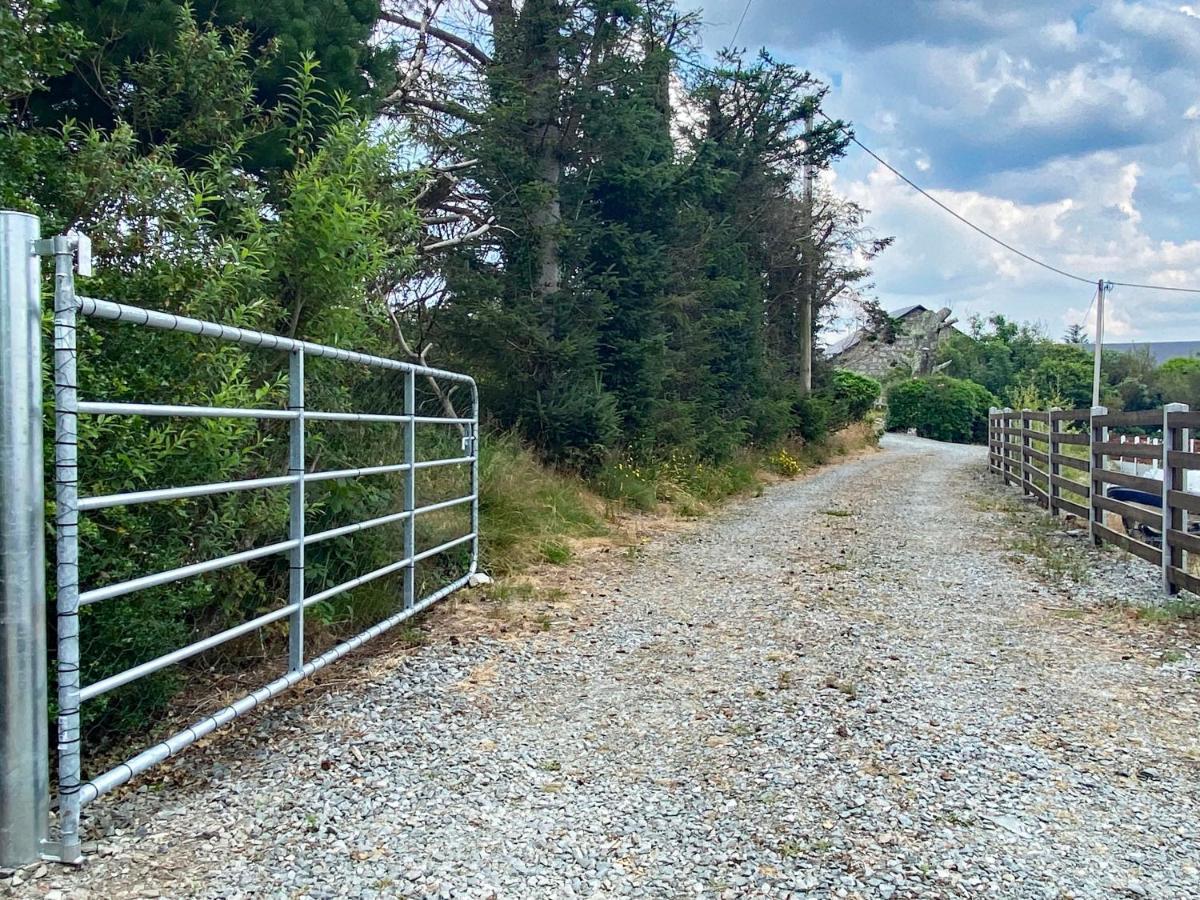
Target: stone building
906, 347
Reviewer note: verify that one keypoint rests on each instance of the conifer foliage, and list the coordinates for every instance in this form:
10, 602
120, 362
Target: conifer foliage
639, 281
612, 235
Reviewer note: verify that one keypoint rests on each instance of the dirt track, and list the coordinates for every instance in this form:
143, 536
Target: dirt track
848, 687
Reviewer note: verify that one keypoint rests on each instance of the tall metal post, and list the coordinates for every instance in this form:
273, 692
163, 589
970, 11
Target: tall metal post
296, 468
24, 754
1174, 439
410, 487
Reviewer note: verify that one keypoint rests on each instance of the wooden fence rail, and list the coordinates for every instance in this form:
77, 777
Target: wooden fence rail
1062, 458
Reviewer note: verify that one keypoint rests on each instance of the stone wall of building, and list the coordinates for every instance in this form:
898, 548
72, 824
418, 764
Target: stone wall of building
912, 352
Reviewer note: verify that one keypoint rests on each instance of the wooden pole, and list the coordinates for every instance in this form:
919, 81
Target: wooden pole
808, 260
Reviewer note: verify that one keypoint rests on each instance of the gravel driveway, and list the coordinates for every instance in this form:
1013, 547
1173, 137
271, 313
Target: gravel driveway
845, 688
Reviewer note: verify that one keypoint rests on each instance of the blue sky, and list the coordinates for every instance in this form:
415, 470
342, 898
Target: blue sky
1071, 130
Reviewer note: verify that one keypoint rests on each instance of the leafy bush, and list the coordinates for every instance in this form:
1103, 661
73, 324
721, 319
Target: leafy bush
853, 396
1064, 371
205, 241
810, 416
942, 408
1178, 381
782, 462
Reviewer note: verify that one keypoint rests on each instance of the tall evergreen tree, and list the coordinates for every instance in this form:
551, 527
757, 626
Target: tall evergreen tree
123, 35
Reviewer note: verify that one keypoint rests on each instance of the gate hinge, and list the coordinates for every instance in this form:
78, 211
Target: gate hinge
76, 241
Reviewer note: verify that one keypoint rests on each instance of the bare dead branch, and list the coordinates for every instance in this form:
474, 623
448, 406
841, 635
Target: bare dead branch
448, 38
460, 239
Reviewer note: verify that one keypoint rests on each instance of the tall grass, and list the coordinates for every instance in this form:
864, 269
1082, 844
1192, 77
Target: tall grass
527, 512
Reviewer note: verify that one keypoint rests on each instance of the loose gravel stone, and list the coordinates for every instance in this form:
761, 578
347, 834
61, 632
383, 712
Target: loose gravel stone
848, 687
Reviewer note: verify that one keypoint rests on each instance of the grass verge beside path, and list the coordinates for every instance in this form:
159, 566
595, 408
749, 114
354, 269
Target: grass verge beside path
1059, 551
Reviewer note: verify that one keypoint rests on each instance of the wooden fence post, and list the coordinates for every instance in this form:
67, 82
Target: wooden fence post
1174, 478
991, 439
1006, 426
1001, 424
1098, 435
1054, 470
1026, 459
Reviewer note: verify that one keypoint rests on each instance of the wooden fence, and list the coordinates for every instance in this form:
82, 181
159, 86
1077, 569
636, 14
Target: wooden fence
1063, 459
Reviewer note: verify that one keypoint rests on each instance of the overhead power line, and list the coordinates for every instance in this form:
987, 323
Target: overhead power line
987, 234
1154, 287
932, 199
738, 30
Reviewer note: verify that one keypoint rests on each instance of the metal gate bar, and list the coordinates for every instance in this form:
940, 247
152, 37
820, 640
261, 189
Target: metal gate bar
73, 793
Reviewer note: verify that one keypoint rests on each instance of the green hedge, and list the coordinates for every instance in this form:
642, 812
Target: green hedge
940, 407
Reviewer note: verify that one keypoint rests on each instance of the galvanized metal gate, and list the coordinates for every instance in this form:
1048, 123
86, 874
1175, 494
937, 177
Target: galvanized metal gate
25, 820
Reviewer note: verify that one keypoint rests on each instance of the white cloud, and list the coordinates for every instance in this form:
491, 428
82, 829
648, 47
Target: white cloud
1070, 130
1096, 232
1062, 35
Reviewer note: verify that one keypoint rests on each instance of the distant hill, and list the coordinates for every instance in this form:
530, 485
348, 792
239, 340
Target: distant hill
1160, 350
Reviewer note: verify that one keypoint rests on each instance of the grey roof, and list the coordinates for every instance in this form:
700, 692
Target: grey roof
845, 343
1161, 351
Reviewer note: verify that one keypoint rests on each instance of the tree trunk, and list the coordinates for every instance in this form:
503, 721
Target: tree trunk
546, 219
805, 327
541, 21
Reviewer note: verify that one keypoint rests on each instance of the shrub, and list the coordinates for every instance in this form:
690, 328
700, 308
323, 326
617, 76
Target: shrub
1065, 370
942, 408
906, 404
810, 415
852, 397
784, 463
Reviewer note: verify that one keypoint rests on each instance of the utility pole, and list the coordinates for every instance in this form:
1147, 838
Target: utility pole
808, 258
1099, 345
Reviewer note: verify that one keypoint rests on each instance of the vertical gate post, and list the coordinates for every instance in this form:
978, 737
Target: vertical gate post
296, 468
66, 537
1174, 439
474, 477
1097, 434
410, 487
24, 752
